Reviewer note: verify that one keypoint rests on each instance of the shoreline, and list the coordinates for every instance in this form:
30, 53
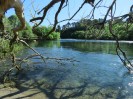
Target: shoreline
14, 93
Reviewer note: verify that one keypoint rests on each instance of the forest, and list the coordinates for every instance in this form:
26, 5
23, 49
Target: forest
89, 29
29, 33
83, 29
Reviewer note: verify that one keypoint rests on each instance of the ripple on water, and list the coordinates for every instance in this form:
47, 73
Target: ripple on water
96, 76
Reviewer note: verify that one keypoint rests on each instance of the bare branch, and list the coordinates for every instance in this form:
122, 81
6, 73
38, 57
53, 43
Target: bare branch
56, 17
74, 13
45, 10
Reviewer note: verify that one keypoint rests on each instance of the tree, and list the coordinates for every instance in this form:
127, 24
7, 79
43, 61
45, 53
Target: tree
7, 24
58, 28
42, 31
14, 21
27, 33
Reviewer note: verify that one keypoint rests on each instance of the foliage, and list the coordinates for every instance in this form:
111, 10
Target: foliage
7, 24
14, 21
130, 32
39, 31
89, 29
26, 33
42, 31
5, 49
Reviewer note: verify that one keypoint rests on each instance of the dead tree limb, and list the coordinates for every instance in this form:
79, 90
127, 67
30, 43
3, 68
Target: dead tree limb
119, 50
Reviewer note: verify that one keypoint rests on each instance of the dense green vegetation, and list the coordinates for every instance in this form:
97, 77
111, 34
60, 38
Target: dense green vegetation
90, 29
42, 31
28, 32
83, 29
6, 50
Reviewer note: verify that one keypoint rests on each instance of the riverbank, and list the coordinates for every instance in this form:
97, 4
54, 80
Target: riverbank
61, 89
14, 93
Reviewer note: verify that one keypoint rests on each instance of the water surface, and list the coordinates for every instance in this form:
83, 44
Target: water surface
79, 69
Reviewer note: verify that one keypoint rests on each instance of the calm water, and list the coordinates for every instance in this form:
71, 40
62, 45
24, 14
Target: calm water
79, 69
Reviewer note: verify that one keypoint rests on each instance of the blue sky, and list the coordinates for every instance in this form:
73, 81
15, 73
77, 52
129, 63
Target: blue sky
122, 7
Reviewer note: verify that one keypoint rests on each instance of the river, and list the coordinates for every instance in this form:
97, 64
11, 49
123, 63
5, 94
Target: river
79, 69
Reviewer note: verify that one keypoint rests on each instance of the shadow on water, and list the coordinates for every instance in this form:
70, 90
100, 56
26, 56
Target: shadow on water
56, 84
50, 89
98, 75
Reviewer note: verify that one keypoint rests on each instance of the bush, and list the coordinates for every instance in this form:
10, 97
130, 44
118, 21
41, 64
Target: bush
14, 22
39, 31
27, 33
42, 31
79, 34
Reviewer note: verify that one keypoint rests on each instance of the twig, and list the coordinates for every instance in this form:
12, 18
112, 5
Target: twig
125, 61
22, 41
45, 10
74, 13
31, 56
56, 18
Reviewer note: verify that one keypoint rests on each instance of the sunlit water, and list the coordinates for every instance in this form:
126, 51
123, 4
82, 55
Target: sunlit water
79, 69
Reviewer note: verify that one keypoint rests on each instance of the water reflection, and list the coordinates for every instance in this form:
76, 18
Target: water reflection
97, 46
99, 74
100, 47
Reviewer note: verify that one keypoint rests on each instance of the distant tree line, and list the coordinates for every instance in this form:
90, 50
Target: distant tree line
29, 33
91, 29
83, 29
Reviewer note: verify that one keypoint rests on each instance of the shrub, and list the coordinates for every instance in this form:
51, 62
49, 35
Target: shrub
42, 31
